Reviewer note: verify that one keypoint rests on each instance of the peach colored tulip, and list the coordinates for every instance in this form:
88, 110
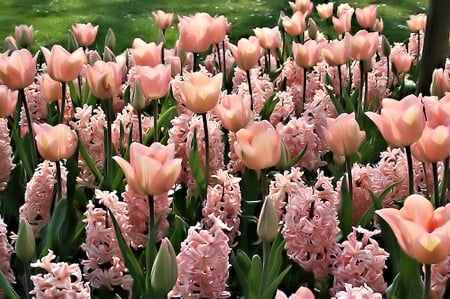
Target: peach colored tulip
308, 54
85, 33
343, 9
401, 122
10, 44
199, 92
343, 134
152, 170
295, 25
433, 145
163, 20
51, 89
269, 38
104, 79
155, 81
234, 111
402, 61
258, 146
361, 46
343, 23
335, 53
195, 32
440, 83
24, 35
304, 6
62, 65
423, 233
301, 293
437, 110
8, 101
175, 65
219, 27
17, 71
378, 26
55, 143
325, 10
246, 53
366, 16
417, 22
146, 53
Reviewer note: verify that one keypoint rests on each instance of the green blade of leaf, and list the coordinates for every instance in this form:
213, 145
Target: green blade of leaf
6, 287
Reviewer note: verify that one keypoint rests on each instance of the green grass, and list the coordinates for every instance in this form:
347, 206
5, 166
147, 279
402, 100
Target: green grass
133, 18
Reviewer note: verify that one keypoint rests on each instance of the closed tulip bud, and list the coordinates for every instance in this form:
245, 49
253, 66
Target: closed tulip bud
367, 65
402, 62
51, 89
24, 35
246, 53
72, 43
378, 26
85, 33
195, 32
25, 244
385, 46
108, 55
10, 44
325, 10
312, 29
165, 268
175, 65
62, 65
55, 143
8, 101
138, 97
343, 23
267, 228
295, 25
110, 39
440, 83
366, 16
155, 81
92, 57
417, 22
285, 158
163, 20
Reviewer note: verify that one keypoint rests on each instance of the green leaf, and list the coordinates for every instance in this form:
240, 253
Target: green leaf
345, 211
150, 255
76, 100
275, 258
336, 100
179, 233
194, 164
163, 122
54, 229
298, 157
410, 282
268, 107
254, 277
6, 287
270, 290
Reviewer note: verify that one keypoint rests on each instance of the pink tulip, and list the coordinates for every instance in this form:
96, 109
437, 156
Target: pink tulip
104, 79
246, 53
366, 16
219, 27
304, 6
24, 35
363, 45
325, 10
8, 101
308, 54
302, 293
234, 111
269, 38
51, 89
85, 33
335, 53
343, 9
433, 145
152, 170
378, 26
195, 32
343, 134
417, 22
64, 66
402, 62
17, 71
155, 81
420, 231
437, 110
401, 122
199, 92
343, 23
258, 146
55, 143
440, 83
146, 53
295, 25
163, 20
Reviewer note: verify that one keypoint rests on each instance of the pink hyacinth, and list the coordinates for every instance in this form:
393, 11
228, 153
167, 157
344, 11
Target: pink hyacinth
39, 193
177, 136
359, 262
224, 202
138, 216
203, 263
311, 226
6, 250
6, 163
104, 265
284, 108
262, 87
362, 292
440, 273
61, 280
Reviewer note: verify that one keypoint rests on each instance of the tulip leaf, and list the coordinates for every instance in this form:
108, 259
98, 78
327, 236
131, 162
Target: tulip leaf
254, 277
345, 211
298, 157
150, 255
194, 164
163, 122
76, 99
91, 164
410, 282
275, 257
270, 290
54, 228
268, 107
6, 287
179, 232
241, 264
336, 101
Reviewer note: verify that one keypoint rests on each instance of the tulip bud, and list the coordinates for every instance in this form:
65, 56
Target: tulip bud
312, 29
93, 57
165, 268
72, 43
108, 55
285, 158
25, 243
138, 97
10, 44
385, 46
110, 39
440, 83
24, 35
267, 228
367, 65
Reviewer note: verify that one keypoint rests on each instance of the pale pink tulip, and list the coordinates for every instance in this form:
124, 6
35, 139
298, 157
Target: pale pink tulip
146, 53
440, 83
8, 101
51, 89
155, 81
402, 61
304, 6
433, 145
163, 20
325, 10
378, 26
335, 53
363, 45
219, 27
246, 53
417, 22
343, 23
195, 32
85, 33
62, 65
234, 111
437, 110
343, 9
17, 71
152, 170
295, 25
200, 93
269, 38
308, 54
423, 233
366, 16
104, 79
24, 35
258, 146
55, 143
401, 122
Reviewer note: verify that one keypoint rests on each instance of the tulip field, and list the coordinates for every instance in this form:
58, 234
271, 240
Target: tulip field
235, 149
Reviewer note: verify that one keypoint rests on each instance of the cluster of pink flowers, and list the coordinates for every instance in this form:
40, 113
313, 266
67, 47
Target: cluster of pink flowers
6, 251
362, 292
6, 163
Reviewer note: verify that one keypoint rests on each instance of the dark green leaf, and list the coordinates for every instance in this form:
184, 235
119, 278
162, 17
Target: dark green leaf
254, 277
6, 287
268, 107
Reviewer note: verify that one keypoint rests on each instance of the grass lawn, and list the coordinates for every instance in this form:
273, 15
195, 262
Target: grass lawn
133, 18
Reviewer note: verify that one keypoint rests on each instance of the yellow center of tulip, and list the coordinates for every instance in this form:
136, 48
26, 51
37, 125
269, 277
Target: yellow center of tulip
430, 242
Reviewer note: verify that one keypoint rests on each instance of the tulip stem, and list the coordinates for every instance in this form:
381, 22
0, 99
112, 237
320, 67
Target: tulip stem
63, 102
444, 182
361, 86
219, 59
205, 128
195, 67
305, 74
265, 267
108, 141
437, 199
155, 121
23, 100
224, 68
410, 170
151, 214
340, 82
139, 115
250, 89
58, 182
388, 69
348, 166
26, 278
426, 290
